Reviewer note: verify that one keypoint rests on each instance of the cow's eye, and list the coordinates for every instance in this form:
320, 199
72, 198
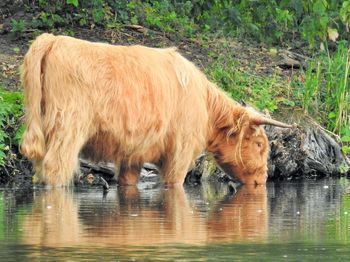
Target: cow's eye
232, 135
260, 145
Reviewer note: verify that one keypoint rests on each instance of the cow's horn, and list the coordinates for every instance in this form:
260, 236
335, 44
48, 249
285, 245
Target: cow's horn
260, 120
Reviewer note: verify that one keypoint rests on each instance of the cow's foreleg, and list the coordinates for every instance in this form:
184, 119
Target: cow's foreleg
175, 168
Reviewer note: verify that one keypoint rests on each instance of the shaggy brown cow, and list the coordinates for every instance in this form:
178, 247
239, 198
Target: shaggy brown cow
131, 105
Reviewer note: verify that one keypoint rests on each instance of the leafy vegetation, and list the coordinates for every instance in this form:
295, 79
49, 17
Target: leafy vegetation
326, 89
18, 27
338, 225
270, 21
10, 112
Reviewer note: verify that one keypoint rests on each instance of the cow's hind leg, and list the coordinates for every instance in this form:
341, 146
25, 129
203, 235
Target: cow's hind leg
129, 176
63, 146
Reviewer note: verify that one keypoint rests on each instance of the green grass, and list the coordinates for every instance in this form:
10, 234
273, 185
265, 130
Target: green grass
242, 83
326, 91
338, 87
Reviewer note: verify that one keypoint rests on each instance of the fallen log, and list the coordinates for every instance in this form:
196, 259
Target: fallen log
306, 152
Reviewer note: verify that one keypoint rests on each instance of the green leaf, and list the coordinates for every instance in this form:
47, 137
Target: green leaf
346, 149
19, 134
98, 15
319, 6
345, 139
16, 50
82, 22
344, 12
343, 168
324, 21
73, 2
134, 20
332, 115
288, 102
2, 155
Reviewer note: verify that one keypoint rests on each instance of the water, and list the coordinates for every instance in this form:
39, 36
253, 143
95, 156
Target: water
281, 222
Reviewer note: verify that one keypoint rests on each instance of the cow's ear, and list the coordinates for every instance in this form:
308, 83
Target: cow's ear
254, 128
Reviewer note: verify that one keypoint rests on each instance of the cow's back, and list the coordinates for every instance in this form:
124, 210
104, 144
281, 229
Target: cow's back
141, 98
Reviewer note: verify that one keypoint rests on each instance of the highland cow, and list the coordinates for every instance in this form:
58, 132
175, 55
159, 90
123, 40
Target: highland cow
132, 105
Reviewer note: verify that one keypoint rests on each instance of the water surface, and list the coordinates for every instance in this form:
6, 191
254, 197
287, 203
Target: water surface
288, 221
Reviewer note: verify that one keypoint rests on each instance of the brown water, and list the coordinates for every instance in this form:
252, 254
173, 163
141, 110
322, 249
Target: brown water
285, 221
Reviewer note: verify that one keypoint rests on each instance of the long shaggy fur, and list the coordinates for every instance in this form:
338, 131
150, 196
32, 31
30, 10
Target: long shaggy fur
130, 105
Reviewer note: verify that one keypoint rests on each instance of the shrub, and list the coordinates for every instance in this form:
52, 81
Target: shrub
269, 21
10, 111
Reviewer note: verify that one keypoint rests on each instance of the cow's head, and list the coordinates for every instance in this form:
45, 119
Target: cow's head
240, 145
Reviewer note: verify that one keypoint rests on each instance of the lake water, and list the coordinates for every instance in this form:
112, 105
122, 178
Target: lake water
289, 221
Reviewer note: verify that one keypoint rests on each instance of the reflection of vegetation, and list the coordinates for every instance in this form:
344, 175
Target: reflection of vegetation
338, 226
343, 225
10, 217
213, 192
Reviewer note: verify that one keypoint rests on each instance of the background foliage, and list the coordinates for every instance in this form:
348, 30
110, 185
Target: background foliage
271, 21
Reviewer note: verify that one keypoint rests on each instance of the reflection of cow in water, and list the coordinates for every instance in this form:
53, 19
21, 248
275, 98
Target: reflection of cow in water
132, 105
128, 218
